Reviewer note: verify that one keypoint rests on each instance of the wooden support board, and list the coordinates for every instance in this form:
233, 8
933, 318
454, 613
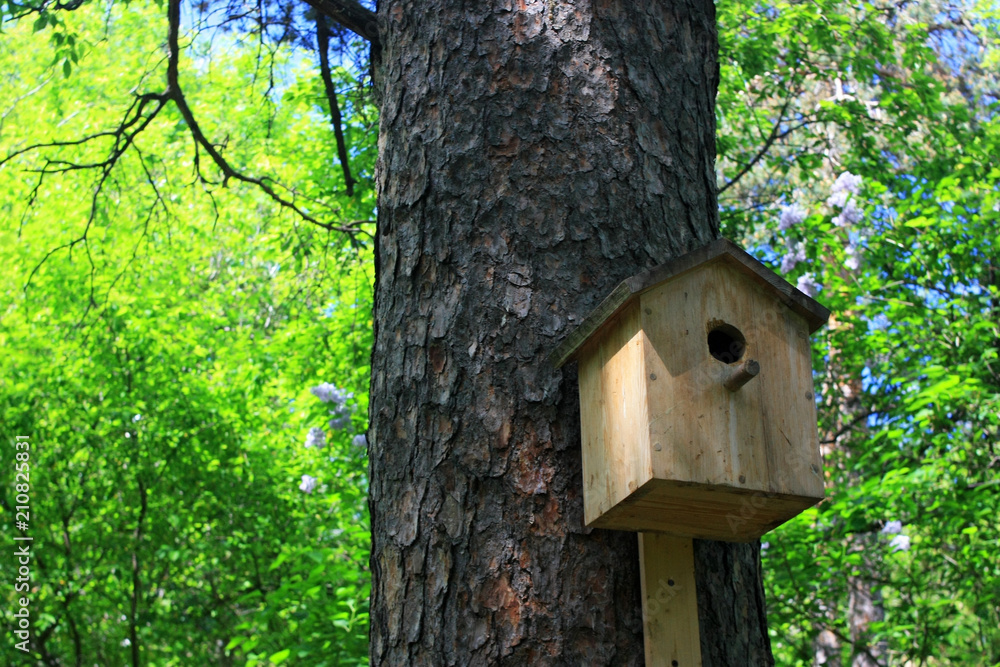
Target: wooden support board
669, 601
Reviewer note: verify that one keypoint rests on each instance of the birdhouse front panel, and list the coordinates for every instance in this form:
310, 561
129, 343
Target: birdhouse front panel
697, 412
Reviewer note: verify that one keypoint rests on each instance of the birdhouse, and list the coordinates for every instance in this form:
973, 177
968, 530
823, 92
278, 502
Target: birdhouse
696, 399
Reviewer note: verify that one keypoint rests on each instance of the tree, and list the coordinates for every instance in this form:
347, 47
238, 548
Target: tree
532, 155
554, 150
900, 123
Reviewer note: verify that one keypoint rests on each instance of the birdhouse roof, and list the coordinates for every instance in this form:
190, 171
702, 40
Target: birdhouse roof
721, 250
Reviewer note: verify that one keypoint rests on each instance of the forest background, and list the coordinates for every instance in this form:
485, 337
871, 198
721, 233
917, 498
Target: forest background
190, 355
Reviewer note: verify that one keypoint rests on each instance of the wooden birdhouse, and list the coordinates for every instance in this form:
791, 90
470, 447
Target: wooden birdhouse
696, 399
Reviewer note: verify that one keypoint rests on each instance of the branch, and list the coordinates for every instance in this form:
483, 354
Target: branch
122, 138
832, 439
122, 141
348, 13
18, 10
175, 94
323, 43
136, 578
773, 137
140, 114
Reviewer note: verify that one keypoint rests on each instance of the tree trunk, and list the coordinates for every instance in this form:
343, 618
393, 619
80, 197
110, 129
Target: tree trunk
532, 154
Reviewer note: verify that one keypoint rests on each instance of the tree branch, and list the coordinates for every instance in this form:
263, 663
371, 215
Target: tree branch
143, 110
136, 578
773, 137
348, 13
175, 94
323, 44
18, 10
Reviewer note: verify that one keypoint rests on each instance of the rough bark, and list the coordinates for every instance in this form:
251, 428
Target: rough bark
533, 153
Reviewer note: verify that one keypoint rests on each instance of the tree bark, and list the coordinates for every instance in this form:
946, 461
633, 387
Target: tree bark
532, 154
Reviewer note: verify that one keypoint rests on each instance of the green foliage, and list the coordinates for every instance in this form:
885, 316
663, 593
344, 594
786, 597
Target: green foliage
160, 337
161, 333
908, 376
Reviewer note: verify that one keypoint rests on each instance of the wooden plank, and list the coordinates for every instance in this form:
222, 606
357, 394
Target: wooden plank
814, 313
709, 512
707, 434
788, 411
669, 601
613, 415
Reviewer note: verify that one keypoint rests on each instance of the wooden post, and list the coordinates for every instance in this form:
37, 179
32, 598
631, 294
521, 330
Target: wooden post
669, 601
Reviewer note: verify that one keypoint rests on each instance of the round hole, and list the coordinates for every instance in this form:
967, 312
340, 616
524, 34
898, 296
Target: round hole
726, 343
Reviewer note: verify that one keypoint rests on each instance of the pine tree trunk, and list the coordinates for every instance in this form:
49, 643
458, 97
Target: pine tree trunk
533, 153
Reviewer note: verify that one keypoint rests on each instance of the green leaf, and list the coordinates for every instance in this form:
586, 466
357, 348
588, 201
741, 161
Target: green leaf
280, 656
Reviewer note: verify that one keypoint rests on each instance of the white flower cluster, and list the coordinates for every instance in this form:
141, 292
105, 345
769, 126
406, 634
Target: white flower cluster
853, 261
892, 528
899, 541
791, 216
328, 393
341, 412
847, 184
308, 483
850, 215
843, 196
807, 284
316, 438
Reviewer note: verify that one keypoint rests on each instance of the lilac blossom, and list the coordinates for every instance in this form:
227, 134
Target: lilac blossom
316, 438
791, 216
796, 254
340, 420
892, 528
341, 412
807, 284
850, 215
853, 260
847, 184
308, 483
360, 440
328, 393
900, 542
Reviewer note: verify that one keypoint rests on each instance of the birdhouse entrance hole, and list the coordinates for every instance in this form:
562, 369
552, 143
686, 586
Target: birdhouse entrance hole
725, 342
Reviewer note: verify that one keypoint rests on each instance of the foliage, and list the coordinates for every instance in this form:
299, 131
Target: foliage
161, 356
879, 190
160, 337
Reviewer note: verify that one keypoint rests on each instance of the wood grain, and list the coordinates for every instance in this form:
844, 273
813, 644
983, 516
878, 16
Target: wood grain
703, 511
613, 415
666, 445
669, 601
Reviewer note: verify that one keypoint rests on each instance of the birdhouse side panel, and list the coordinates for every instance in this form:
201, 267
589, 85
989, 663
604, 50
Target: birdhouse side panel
789, 406
613, 414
